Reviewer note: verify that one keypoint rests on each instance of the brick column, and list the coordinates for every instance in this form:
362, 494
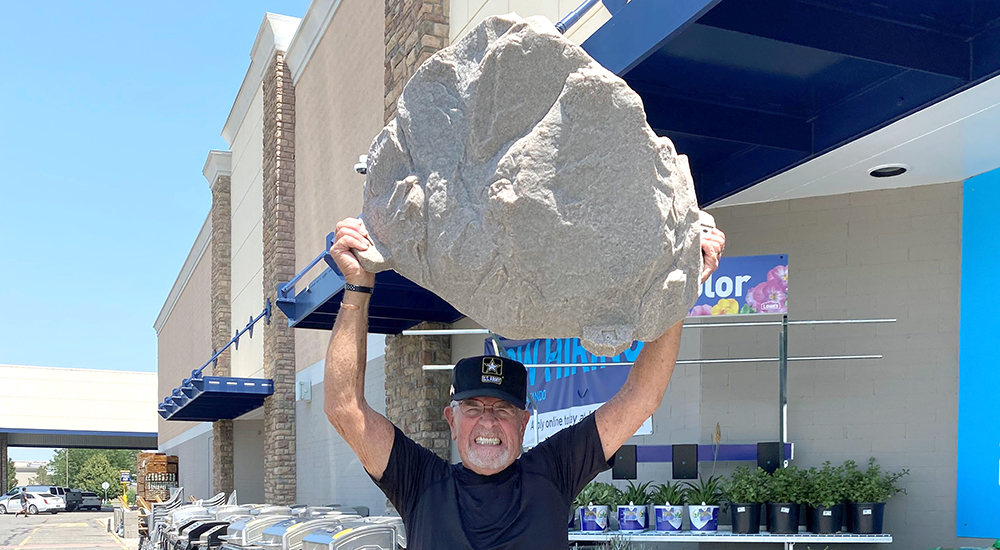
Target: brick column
279, 267
414, 30
217, 171
3, 462
415, 399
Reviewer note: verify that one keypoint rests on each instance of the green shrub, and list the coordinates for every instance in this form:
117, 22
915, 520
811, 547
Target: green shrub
826, 486
872, 485
747, 486
787, 485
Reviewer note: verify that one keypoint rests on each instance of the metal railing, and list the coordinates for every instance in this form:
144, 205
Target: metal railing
574, 16
214, 360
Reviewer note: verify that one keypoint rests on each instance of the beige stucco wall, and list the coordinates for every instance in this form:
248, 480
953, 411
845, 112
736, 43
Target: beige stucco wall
248, 242
184, 342
338, 104
466, 14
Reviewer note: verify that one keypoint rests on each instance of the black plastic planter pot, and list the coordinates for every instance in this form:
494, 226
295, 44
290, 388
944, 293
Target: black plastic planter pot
746, 518
783, 518
866, 517
825, 520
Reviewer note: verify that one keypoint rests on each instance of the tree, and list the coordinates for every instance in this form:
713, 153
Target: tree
11, 476
42, 476
95, 471
120, 459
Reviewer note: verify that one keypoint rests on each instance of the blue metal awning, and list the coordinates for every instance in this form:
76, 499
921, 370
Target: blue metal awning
396, 305
203, 398
211, 398
751, 88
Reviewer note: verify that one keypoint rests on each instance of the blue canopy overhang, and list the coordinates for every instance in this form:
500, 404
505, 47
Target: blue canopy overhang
203, 398
751, 88
396, 305
211, 398
79, 439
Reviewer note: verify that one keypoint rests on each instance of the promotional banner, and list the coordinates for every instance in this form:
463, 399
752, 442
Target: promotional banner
745, 285
564, 395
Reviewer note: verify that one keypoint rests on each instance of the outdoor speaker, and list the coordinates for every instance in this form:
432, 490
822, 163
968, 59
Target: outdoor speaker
685, 461
767, 456
623, 463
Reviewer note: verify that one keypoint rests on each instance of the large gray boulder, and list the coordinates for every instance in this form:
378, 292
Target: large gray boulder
521, 183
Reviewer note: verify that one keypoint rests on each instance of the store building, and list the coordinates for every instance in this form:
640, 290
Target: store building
783, 112
26, 470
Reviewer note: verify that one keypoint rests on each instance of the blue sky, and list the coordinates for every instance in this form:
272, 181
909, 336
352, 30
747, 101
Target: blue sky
109, 111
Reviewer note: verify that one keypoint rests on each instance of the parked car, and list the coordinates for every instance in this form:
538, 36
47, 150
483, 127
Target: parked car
52, 490
57, 493
37, 502
91, 501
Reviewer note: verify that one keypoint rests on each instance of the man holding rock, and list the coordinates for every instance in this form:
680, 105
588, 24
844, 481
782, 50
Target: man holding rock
496, 498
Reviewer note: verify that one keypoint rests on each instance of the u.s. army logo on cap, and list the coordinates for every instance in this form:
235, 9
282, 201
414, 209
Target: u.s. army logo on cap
492, 370
492, 365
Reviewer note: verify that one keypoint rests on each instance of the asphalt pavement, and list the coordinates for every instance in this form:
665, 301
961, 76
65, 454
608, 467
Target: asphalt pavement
62, 531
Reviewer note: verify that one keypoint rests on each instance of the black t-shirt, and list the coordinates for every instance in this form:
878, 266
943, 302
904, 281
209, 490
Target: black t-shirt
526, 506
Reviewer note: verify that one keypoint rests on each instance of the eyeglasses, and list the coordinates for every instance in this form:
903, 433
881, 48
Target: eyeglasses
474, 408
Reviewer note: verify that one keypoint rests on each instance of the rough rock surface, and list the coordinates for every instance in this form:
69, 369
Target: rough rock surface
521, 183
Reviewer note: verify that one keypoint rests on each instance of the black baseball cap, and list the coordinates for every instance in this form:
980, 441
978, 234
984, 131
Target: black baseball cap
490, 376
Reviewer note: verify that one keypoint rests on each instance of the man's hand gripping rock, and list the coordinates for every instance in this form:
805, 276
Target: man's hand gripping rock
352, 235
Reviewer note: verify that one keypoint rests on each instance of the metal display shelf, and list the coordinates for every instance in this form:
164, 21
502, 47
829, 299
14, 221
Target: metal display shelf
725, 535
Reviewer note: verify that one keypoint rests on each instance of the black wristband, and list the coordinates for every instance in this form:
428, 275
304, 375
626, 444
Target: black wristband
356, 288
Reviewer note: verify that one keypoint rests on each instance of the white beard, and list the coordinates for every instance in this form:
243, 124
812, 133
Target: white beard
496, 458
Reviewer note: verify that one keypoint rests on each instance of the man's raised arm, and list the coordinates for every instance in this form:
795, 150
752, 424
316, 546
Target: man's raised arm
642, 392
368, 433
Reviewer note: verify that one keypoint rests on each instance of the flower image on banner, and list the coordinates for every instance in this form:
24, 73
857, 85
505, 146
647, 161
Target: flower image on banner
745, 285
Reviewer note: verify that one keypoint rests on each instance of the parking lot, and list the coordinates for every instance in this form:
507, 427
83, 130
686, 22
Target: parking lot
63, 531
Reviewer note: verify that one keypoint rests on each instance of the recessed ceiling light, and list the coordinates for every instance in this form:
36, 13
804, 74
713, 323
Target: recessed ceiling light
888, 170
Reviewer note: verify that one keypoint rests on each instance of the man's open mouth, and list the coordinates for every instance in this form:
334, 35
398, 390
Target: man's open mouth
488, 440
